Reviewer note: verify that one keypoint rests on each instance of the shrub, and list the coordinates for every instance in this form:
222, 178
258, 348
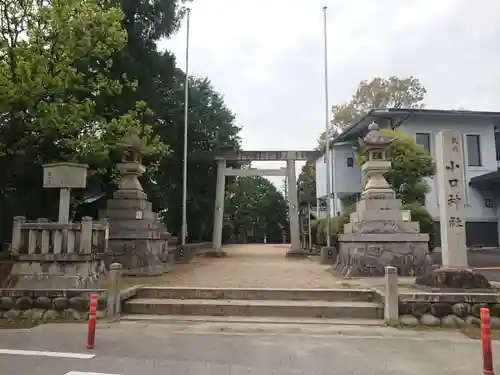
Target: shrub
336, 228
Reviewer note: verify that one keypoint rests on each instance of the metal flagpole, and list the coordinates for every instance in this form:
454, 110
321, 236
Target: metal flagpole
309, 225
327, 132
186, 111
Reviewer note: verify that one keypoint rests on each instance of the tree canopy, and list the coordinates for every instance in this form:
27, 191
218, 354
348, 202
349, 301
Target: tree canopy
255, 209
392, 92
380, 92
411, 163
74, 77
306, 183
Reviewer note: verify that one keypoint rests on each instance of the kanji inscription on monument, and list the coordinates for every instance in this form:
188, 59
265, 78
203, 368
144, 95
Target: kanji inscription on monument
451, 191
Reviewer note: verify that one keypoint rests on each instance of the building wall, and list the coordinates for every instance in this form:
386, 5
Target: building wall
321, 185
320, 177
476, 209
348, 180
347, 175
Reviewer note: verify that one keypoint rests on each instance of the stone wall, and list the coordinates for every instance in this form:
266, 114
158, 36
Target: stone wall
50, 304
455, 310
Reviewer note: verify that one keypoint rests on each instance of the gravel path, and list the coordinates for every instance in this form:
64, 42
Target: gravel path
248, 266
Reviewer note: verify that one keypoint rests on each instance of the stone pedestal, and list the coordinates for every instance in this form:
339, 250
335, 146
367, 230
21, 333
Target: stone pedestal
379, 233
378, 236
58, 272
58, 255
137, 238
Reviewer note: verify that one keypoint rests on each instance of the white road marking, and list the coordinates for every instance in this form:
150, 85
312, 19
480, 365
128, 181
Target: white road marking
87, 373
47, 354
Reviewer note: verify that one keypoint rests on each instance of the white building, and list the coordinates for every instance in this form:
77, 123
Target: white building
481, 132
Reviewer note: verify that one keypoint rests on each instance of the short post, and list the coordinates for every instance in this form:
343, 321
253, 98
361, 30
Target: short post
391, 308
486, 341
92, 321
64, 203
86, 236
327, 255
17, 236
114, 288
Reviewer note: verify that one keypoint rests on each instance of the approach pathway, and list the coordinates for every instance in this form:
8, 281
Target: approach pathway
248, 266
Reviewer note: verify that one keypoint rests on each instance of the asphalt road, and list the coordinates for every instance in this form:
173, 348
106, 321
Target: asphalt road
237, 349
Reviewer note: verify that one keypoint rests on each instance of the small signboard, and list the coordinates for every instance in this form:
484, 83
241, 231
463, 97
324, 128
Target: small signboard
65, 176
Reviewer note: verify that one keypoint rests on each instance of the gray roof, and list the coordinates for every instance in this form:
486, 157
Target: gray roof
400, 115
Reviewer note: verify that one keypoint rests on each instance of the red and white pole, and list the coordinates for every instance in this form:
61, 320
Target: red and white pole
486, 339
92, 321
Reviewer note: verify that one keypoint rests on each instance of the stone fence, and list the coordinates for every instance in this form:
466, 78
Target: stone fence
32, 240
436, 309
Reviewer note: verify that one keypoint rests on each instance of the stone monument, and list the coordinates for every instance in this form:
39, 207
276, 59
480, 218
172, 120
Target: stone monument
379, 233
137, 238
451, 194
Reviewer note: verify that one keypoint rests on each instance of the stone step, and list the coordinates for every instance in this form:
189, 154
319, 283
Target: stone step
258, 294
180, 319
287, 309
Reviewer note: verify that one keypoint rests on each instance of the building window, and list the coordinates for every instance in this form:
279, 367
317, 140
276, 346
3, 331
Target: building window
350, 162
497, 144
474, 150
424, 140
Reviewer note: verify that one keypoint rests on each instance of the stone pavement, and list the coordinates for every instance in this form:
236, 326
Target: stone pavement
252, 349
247, 266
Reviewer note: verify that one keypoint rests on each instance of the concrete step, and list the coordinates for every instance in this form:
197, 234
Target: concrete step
286, 309
181, 319
257, 294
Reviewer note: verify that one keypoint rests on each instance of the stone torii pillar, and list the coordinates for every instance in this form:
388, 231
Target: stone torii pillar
219, 204
293, 210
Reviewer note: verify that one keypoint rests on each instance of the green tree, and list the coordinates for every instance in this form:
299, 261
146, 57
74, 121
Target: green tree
211, 126
255, 206
392, 92
137, 86
161, 85
306, 183
55, 60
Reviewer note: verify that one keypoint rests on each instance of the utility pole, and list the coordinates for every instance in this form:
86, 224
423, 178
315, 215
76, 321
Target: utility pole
327, 133
185, 153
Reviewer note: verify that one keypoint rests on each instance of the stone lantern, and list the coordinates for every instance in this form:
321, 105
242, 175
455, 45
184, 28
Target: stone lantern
375, 147
137, 237
131, 168
379, 232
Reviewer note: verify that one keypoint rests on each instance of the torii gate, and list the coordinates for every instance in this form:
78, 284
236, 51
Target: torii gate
293, 206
